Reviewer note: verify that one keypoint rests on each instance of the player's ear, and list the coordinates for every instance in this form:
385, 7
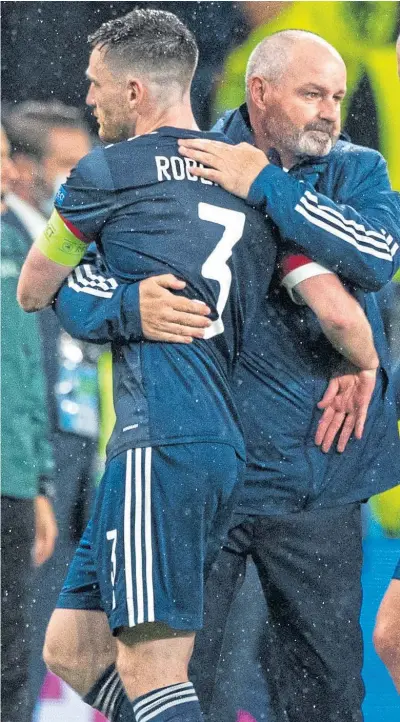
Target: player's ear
135, 91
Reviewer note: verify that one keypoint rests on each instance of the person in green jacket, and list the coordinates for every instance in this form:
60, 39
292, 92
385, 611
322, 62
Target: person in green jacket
28, 525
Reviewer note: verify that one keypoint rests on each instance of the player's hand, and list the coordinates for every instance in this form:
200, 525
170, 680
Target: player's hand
46, 531
234, 167
345, 404
168, 317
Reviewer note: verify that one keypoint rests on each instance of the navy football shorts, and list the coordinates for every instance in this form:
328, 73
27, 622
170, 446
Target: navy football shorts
159, 520
396, 573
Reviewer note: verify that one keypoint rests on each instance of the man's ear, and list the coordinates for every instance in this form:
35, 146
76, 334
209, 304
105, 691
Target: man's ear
259, 90
135, 92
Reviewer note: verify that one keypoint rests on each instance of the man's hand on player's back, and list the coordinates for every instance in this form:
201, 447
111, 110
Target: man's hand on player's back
169, 317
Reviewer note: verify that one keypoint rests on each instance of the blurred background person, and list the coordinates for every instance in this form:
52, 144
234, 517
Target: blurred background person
28, 525
47, 140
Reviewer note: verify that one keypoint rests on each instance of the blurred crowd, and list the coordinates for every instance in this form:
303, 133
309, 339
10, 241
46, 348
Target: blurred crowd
46, 130
49, 389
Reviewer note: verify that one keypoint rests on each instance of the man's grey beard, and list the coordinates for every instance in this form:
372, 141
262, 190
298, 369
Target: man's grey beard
314, 142
285, 137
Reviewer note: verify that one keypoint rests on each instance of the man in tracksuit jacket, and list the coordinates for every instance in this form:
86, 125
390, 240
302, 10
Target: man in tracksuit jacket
299, 516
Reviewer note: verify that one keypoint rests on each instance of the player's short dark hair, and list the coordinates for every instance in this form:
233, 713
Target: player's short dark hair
150, 40
28, 124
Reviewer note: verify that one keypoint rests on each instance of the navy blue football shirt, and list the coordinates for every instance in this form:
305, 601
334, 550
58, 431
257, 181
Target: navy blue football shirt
149, 215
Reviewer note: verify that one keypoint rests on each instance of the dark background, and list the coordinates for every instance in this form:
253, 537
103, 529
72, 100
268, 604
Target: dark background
45, 52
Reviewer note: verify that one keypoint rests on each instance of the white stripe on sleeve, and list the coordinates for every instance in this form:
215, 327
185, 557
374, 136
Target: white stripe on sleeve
386, 256
378, 244
348, 221
82, 280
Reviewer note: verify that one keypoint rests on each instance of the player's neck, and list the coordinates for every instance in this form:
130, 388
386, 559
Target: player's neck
177, 116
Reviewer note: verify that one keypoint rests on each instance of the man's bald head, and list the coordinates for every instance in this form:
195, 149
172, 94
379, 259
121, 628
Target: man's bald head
296, 82
278, 53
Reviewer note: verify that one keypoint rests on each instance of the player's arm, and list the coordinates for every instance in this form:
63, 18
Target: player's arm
82, 206
358, 239
50, 260
346, 400
341, 317
93, 306
344, 323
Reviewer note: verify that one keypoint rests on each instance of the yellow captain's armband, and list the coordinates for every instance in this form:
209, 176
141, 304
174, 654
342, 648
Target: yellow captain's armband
59, 244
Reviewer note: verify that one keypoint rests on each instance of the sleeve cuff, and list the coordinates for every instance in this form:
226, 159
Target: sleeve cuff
258, 193
130, 313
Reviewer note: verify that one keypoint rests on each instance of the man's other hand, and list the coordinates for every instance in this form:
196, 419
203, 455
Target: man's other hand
345, 405
234, 167
169, 317
46, 531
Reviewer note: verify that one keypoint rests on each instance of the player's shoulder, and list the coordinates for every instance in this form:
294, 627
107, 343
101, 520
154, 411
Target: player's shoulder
171, 135
149, 142
93, 169
350, 154
217, 135
107, 166
117, 165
